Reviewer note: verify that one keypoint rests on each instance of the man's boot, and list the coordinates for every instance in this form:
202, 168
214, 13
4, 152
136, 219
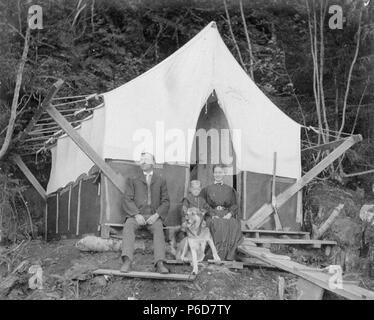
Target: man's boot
126, 266
160, 268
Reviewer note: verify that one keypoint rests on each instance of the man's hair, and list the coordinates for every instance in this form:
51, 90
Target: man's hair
153, 157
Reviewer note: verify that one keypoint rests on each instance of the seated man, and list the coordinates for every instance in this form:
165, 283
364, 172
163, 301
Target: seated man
146, 203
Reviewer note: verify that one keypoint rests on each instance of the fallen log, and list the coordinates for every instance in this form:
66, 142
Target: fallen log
97, 244
318, 233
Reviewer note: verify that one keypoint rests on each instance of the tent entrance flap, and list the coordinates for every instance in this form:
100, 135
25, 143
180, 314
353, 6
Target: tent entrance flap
212, 145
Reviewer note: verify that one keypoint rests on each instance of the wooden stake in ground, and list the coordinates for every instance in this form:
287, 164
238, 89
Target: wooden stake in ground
281, 285
317, 234
278, 225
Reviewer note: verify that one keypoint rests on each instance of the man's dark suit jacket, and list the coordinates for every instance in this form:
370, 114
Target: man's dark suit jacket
135, 199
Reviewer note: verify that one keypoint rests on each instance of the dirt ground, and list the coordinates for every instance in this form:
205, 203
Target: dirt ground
66, 276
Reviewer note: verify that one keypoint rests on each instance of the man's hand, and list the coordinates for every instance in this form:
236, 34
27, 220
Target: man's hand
152, 219
140, 220
227, 216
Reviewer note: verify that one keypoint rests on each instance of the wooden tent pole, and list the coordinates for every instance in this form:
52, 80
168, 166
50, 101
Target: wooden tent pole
278, 225
46, 221
357, 173
69, 210
57, 210
78, 208
239, 191
260, 216
244, 194
114, 177
186, 180
325, 146
26, 171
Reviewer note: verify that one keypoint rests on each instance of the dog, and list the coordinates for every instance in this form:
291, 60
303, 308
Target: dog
192, 247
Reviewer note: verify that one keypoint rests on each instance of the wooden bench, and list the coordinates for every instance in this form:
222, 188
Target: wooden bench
256, 233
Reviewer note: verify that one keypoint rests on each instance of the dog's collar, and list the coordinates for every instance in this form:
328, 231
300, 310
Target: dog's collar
189, 231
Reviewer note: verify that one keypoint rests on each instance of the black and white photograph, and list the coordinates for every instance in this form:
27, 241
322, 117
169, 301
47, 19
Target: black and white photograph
200, 151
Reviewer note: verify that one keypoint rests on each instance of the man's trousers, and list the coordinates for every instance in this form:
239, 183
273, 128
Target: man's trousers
128, 239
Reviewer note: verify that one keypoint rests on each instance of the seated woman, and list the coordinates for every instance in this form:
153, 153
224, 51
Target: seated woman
222, 216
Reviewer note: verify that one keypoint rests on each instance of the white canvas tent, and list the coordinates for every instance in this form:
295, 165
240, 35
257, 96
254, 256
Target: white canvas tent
173, 93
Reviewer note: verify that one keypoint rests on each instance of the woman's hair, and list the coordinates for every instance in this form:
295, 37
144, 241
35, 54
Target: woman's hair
218, 166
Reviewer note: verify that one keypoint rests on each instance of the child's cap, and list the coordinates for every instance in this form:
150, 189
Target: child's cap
195, 184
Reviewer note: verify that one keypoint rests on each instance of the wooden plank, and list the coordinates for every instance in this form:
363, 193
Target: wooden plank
239, 191
118, 225
278, 225
147, 275
69, 203
177, 262
321, 279
274, 232
186, 181
227, 264
357, 173
113, 176
291, 241
45, 220
281, 285
260, 216
326, 146
26, 171
256, 263
244, 194
39, 111
299, 208
102, 202
57, 210
275, 256
258, 249
105, 231
107, 199
78, 208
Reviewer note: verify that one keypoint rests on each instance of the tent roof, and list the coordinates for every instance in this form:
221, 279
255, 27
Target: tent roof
158, 111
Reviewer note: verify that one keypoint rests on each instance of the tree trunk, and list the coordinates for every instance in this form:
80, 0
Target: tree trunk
13, 111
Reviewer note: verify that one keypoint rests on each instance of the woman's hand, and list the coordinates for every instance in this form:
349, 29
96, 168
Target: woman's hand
227, 216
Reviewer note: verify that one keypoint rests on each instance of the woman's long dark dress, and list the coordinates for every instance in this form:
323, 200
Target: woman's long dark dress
226, 233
